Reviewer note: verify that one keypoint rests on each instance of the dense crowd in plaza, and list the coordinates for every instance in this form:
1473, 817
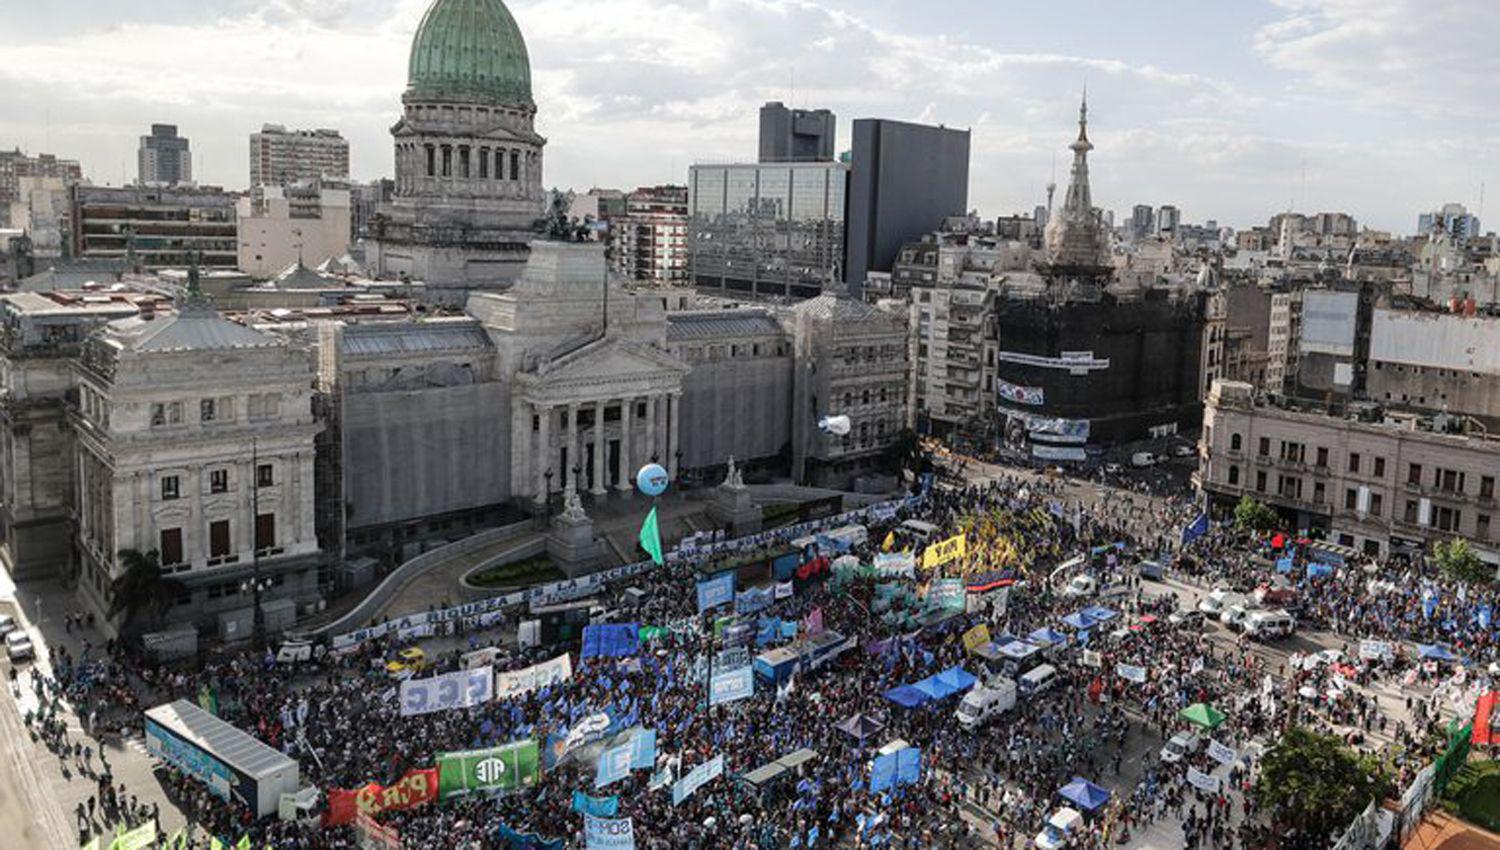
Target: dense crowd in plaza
337, 716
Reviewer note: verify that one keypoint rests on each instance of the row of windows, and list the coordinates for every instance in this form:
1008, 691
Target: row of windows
220, 542
218, 481
220, 409
1441, 517
471, 162
1443, 479
732, 351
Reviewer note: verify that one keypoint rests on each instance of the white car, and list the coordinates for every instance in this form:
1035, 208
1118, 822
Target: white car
1064, 824
7, 624
1234, 616
1182, 745
1113, 468
1184, 451
18, 646
1220, 598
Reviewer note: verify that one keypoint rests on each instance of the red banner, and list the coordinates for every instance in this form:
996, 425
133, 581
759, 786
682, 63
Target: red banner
413, 789
1484, 733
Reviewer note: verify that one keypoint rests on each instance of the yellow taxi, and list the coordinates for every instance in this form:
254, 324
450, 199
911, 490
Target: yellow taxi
407, 662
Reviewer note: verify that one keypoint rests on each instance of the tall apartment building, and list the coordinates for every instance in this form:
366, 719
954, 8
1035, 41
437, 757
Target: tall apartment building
796, 135
164, 158
1452, 219
770, 230
155, 227
1168, 219
365, 200
1142, 220
15, 165
1284, 335
279, 156
279, 226
650, 239
905, 179
1385, 484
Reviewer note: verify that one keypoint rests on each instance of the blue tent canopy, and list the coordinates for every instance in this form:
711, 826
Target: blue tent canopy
906, 696
1080, 621
1433, 652
1017, 649
1100, 614
957, 678
1047, 636
1084, 794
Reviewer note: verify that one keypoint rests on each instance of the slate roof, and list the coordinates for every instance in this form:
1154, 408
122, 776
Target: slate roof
415, 337
192, 328
725, 323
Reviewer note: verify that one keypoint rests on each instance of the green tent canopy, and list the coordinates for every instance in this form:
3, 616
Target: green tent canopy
1202, 714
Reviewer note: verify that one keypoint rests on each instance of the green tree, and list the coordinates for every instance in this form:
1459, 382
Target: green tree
1250, 515
142, 593
1457, 561
1314, 784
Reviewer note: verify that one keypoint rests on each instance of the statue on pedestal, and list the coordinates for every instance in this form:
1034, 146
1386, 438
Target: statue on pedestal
733, 478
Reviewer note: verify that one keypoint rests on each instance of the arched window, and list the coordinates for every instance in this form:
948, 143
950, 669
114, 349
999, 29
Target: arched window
431, 161
447, 160
1234, 474
484, 163
499, 164
1234, 442
463, 160
515, 165
865, 397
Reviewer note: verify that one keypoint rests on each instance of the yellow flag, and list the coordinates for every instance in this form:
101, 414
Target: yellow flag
890, 541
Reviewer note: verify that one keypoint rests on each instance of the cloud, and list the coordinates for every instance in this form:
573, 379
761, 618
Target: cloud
1434, 57
631, 92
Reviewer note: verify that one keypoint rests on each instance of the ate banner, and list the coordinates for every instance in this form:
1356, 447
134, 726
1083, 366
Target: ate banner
413, 789
503, 768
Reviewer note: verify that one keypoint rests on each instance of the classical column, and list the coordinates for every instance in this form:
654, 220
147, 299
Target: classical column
674, 403
574, 459
651, 428
542, 458
627, 408
601, 448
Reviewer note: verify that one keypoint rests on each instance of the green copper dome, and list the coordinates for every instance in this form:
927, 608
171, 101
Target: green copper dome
469, 48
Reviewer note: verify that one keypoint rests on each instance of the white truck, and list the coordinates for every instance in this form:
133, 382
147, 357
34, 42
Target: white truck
1084, 587
986, 702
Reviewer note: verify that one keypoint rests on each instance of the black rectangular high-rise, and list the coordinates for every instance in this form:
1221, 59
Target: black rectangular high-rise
795, 135
905, 179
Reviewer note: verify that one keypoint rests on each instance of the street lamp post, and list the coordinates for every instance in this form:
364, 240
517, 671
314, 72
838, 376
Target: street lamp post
547, 510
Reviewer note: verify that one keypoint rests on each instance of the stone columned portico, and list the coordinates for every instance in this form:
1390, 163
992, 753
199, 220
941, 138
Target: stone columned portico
594, 415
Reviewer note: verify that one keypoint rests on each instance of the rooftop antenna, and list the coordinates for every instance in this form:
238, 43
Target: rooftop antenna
1052, 183
1480, 214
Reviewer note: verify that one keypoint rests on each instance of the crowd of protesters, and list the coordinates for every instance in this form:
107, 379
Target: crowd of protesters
337, 715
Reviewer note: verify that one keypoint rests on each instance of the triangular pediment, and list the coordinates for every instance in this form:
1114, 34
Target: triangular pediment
603, 367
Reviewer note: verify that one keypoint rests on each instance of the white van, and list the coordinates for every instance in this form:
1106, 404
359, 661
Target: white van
1141, 460
1270, 624
1234, 615
1220, 598
1182, 745
1037, 679
1064, 825
918, 531
985, 702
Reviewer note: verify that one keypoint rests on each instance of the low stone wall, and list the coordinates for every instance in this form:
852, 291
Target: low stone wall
404, 574
470, 593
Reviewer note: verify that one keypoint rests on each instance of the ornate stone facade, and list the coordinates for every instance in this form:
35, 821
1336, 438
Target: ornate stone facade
468, 157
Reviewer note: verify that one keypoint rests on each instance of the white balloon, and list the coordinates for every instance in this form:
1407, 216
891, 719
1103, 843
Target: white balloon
837, 426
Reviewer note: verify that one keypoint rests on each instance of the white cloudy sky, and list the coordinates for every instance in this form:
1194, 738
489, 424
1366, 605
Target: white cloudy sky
1231, 109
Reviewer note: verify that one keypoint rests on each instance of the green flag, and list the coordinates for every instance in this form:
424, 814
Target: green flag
504, 768
136, 839
651, 537
244, 843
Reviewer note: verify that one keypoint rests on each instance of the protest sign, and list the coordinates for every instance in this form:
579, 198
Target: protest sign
518, 683
1202, 781
504, 768
731, 686
976, 637
1131, 673
716, 591
945, 551
608, 833
413, 789
697, 778
459, 689
1220, 753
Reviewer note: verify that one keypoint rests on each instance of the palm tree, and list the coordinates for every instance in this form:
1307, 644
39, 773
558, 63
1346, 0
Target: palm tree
142, 590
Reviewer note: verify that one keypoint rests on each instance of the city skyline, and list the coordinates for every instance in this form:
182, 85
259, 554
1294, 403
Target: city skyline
1228, 113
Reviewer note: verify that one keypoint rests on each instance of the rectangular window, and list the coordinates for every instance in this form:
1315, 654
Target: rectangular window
1487, 487
169, 488
1379, 467
1414, 474
171, 547
264, 475
1482, 527
484, 163
1377, 504
1322, 456
1354, 461
1319, 491
218, 538
1351, 499
218, 481
206, 410
1260, 480
1411, 512
265, 532
1265, 446
515, 165
158, 415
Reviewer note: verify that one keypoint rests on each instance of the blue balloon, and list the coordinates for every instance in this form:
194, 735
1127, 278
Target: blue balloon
652, 479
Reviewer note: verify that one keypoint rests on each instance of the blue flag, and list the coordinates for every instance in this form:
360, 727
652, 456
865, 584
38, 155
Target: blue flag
599, 807
1196, 529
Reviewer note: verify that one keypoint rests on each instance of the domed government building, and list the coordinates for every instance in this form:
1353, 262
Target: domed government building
468, 157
